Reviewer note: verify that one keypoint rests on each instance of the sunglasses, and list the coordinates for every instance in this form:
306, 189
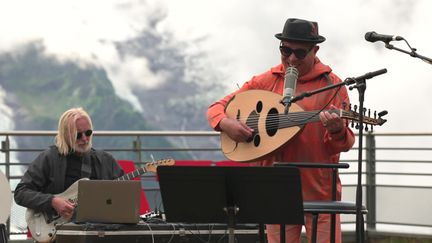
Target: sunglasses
87, 133
299, 53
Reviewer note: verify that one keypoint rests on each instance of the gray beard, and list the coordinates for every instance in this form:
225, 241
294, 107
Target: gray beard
82, 150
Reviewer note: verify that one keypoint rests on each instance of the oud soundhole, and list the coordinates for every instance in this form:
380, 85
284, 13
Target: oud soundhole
257, 140
252, 122
259, 106
272, 122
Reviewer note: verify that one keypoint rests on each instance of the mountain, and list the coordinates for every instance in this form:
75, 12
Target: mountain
40, 88
190, 85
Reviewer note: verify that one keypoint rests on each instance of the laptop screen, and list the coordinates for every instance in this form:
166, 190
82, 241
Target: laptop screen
108, 201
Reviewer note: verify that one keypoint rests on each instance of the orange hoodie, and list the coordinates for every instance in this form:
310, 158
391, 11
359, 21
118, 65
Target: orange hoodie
313, 143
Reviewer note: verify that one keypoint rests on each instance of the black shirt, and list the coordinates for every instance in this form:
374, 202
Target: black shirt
73, 169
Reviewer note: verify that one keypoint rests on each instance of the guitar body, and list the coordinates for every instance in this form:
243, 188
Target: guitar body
41, 229
259, 109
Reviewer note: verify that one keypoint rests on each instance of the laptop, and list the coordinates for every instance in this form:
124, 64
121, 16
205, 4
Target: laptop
108, 201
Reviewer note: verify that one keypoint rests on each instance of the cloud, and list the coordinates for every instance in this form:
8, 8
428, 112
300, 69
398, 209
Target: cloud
83, 31
238, 37
241, 33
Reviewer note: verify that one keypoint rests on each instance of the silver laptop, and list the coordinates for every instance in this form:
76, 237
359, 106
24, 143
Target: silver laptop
106, 201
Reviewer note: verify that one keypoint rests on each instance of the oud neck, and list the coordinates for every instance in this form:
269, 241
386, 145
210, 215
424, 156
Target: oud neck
301, 118
132, 175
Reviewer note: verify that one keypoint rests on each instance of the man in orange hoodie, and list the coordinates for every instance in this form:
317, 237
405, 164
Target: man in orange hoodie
319, 142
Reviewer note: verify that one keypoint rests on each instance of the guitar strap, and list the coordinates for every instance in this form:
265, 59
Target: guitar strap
86, 168
329, 82
326, 75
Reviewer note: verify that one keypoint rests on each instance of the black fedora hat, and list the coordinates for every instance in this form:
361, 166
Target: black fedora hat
300, 30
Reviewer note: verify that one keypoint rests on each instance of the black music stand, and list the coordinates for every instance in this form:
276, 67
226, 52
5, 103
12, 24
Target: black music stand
263, 195
3, 234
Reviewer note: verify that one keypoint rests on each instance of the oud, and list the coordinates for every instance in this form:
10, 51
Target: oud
262, 111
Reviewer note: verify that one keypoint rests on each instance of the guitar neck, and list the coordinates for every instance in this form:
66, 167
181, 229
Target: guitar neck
132, 175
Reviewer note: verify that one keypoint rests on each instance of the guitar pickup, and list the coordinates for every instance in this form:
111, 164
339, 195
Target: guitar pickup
49, 218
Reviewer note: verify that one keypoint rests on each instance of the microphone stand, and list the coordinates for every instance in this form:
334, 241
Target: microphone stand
413, 52
360, 85
347, 82
287, 104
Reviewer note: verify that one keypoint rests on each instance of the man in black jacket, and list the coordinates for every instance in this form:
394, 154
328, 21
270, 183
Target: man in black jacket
57, 168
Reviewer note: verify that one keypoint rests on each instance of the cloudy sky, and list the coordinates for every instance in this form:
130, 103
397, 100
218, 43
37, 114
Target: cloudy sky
239, 40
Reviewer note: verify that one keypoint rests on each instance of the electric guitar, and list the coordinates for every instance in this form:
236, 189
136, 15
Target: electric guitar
262, 111
42, 226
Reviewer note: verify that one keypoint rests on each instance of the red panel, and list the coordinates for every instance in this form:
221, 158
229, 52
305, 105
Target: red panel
193, 163
230, 163
129, 166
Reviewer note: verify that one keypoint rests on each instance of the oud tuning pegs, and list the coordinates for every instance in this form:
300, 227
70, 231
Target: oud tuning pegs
357, 126
344, 104
382, 113
367, 127
355, 108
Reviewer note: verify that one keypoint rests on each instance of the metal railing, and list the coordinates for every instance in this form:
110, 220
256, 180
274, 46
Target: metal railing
398, 167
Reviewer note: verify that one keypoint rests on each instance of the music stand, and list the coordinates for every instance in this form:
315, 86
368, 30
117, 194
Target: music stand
264, 195
3, 233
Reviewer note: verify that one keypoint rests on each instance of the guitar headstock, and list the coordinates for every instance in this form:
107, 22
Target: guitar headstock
367, 119
152, 166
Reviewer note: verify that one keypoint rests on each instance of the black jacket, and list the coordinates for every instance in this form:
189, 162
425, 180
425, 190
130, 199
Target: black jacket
45, 177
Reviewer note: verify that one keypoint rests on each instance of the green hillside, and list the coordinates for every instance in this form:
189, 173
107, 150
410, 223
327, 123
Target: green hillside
41, 88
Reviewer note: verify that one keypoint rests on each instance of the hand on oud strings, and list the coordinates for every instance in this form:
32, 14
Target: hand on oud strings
331, 121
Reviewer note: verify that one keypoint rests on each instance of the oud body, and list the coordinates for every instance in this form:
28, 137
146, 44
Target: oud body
263, 111
259, 110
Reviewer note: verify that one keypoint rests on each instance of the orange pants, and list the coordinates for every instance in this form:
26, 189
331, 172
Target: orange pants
293, 232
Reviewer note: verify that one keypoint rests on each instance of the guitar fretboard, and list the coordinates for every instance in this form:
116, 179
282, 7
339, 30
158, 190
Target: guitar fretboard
133, 174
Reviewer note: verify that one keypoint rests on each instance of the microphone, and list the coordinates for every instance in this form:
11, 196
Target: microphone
291, 76
372, 36
371, 74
